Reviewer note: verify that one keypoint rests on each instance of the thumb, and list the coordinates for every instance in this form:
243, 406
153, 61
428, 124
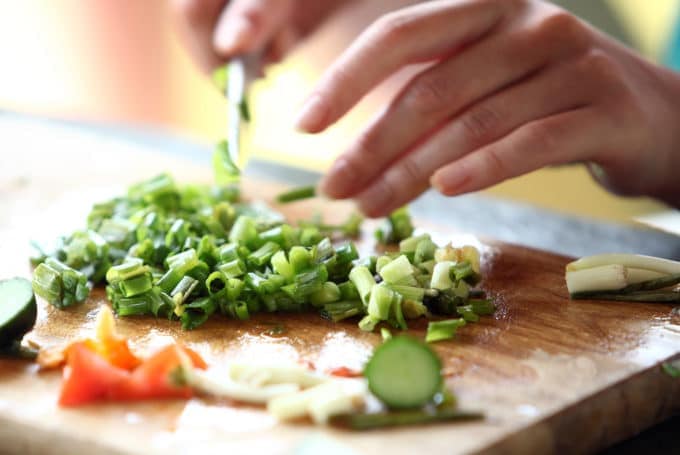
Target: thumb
248, 25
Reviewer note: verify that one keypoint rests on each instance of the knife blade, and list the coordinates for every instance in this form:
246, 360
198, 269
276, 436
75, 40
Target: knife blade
240, 73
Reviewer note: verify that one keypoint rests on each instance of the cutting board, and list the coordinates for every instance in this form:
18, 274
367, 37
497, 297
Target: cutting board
552, 375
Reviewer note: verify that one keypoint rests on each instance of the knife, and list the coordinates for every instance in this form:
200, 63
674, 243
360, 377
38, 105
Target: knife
241, 71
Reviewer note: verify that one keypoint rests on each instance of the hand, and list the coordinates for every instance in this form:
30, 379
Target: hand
215, 30
513, 85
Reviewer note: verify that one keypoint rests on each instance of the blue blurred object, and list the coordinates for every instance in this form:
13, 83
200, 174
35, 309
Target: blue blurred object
672, 56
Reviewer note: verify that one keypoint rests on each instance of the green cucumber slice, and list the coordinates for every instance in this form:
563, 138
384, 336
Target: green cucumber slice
404, 373
18, 309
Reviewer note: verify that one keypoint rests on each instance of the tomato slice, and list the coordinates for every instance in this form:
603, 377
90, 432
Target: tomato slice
153, 378
116, 351
87, 376
345, 372
90, 376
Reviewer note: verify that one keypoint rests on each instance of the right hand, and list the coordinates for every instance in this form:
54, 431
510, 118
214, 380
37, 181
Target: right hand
216, 30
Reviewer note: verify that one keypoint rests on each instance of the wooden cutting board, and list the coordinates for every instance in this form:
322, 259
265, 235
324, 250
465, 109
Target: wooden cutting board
552, 375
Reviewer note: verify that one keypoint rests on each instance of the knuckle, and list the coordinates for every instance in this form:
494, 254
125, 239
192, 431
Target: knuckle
597, 63
495, 167
341, 78
363, 146
480, 123
255, 15
427, 94
352, 170
393, 27
541, 138
563, 27
409, 171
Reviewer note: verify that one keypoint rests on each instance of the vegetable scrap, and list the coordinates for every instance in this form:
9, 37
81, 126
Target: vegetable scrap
624, 277
104, 369
403, 373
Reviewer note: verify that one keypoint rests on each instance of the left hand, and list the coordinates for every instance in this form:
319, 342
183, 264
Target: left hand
513, 85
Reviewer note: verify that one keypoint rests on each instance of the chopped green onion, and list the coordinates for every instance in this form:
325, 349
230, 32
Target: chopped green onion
370, 421
300, 259
441, 278
281, 266
59, 284
672, 369
397, 319
233, 269
197, 313
296, 194
329, 292
643, 296
363, 280
381, 262
380, 302
244, 231
424, 251
283, 235
368, 323
462, 270
396, 228
136, 285
482, 307
396, 270
226, 171
220, 78
129, 269
188, 252
216, 283
133, 306
263, 255
409, 292
467, 313
228, 252
183, 289
410, 244
348, 291
443, 330
338, 311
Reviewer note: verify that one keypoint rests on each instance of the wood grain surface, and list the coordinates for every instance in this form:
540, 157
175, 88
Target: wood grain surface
552, 375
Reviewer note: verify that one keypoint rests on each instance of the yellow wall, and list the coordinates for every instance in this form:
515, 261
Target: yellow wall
649, 22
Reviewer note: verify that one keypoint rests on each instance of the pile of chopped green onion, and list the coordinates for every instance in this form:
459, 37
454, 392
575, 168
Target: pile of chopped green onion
190, 253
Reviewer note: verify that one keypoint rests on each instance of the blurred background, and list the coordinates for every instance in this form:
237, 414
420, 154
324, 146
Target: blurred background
119, 61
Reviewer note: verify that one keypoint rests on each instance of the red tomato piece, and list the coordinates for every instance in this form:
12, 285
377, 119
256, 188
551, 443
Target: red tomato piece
87, 376
116, 351
153, 378
345, 372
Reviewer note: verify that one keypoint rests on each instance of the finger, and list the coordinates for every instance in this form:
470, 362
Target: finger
247, 25
415, 34
280, 44
195, 20
438, 93
563, 138
555, 90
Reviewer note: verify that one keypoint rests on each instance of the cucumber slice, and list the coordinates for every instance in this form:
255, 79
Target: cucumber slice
18, 309
404, 373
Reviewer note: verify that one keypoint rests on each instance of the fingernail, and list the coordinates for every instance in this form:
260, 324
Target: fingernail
312, 115
338, 181
232, 35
